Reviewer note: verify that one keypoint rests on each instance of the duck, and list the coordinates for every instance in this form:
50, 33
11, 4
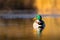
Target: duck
38, 23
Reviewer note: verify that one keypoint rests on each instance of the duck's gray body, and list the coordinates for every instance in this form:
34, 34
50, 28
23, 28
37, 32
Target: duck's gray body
36, 25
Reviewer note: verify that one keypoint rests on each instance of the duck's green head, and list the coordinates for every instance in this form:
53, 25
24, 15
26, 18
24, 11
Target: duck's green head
38, 17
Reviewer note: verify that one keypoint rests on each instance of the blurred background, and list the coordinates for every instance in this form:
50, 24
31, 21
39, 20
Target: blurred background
16, 19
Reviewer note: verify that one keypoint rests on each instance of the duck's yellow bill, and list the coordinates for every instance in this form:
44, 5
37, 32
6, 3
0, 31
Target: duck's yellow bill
34, 19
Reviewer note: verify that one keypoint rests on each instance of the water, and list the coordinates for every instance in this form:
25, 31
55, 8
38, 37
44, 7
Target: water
21, 29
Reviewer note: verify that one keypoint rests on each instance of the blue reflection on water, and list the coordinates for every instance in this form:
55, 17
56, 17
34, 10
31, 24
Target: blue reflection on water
14, 16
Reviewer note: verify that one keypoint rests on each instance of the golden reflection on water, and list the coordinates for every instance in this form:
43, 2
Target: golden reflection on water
20, 29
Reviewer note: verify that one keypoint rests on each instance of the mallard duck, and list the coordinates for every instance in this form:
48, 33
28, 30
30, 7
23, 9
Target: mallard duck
36, 22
